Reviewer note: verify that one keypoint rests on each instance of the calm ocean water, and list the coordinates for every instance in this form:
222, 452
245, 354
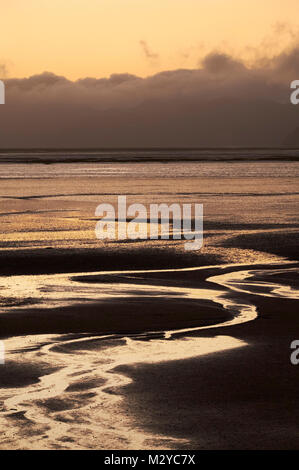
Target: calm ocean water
150, 163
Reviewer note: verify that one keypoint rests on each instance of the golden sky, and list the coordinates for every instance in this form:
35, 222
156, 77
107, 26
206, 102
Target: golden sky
79, 38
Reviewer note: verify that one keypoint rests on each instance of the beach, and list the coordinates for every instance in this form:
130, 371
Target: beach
139, 344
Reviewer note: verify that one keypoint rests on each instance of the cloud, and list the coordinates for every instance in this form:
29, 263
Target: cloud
3, 71
284, 29
147, 52
223, 102
217, 62
286, 64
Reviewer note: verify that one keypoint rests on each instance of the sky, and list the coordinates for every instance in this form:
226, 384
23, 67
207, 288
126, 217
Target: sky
96, 38
148, 73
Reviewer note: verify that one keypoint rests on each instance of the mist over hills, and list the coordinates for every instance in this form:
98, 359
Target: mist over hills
221, 104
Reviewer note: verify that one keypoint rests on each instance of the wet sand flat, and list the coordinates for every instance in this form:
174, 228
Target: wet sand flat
245, 398
139, 344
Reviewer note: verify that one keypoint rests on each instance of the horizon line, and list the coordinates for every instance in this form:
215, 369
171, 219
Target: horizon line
63, 149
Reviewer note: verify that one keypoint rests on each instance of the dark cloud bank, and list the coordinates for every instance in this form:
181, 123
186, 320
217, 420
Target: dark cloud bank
222, 103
